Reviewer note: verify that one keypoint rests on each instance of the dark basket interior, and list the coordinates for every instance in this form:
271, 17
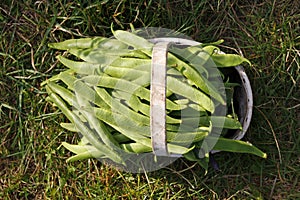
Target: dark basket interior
239, 97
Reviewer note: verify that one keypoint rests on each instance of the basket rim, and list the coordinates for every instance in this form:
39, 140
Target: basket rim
242, 74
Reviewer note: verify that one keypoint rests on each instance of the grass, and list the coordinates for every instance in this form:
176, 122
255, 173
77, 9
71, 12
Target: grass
32, 161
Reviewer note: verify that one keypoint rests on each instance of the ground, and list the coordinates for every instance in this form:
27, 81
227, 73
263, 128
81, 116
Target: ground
32, 160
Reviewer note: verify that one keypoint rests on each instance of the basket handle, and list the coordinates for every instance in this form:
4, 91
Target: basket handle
158, 99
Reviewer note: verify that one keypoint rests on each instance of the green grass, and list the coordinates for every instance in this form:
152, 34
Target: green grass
32, 161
